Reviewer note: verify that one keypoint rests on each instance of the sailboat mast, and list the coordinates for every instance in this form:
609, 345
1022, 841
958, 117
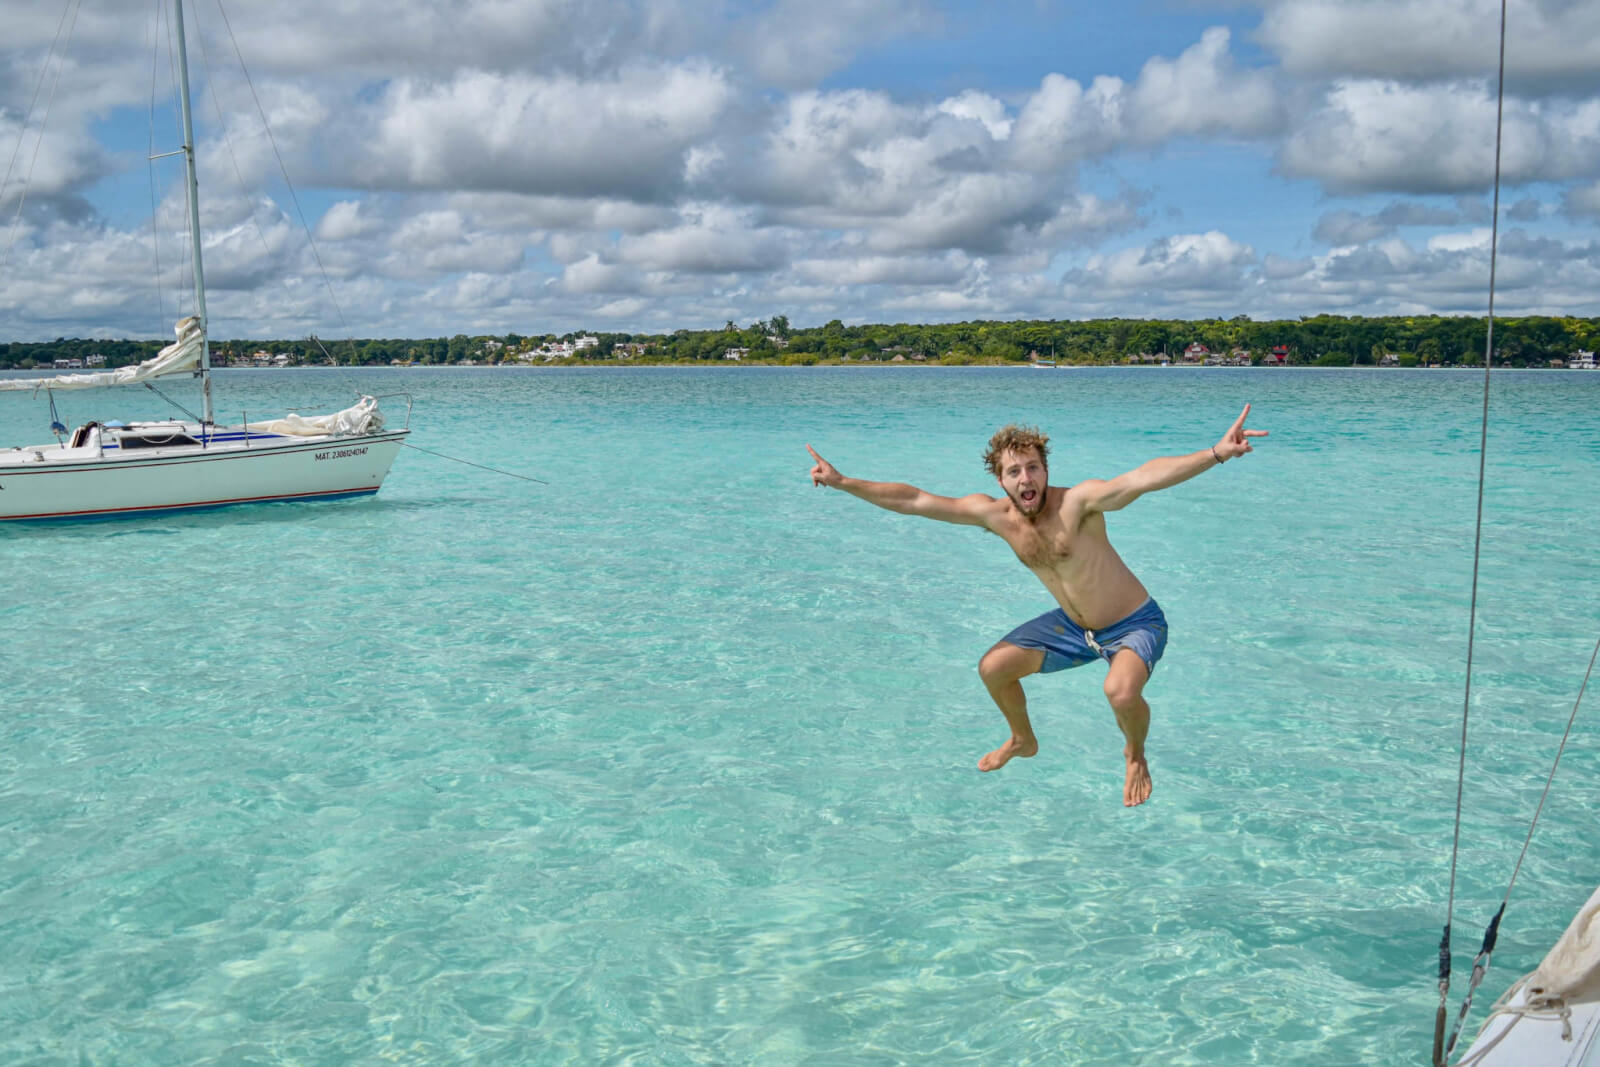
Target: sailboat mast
194, 213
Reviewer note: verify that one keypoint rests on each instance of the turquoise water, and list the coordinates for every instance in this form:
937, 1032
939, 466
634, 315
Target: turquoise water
671, 760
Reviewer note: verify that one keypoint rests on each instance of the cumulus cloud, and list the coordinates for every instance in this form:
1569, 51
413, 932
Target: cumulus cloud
347, 219
591, 275
982, 213
1582, 201
579, 37
946, 270
1210, 260
711, 240
796, 43
1525, 245
626, 308
983, 108
1525, 210
1385, 136
625, 136
903, 177
1064, 122
813, 153
443, 242
1551, 44
1445, 274
288, 124
665, 163
55, 168
951, 174
1279, 268
68, 276
561, 213
1202, 92
1350, 227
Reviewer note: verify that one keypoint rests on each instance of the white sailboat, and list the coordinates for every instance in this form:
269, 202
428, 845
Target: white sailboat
113, 468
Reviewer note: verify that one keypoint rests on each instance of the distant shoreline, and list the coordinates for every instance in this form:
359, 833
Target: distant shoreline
42, 373
1529, 342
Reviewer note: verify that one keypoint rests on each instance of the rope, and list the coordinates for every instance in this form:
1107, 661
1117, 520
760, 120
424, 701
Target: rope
1440, 1049
480, 466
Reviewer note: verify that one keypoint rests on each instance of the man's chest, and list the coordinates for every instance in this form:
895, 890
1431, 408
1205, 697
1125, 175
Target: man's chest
1046, 544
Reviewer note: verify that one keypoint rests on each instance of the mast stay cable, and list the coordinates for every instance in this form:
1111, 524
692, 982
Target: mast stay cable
1480, 964
1440, 1051
65, 26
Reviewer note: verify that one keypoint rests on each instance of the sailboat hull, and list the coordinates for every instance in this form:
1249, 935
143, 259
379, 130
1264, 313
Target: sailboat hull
1510, 1039
54, 483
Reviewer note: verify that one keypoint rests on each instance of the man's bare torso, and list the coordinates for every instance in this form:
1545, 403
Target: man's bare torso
1067, 548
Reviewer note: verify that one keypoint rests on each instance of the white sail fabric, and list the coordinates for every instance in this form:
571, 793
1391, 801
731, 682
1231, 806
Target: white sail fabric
182, 355
1570, 972
361, 418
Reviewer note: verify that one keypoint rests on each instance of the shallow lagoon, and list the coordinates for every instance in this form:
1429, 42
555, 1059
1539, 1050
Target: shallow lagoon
671, 760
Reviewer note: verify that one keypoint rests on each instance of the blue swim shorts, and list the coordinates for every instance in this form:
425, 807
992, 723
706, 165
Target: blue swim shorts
1066, 644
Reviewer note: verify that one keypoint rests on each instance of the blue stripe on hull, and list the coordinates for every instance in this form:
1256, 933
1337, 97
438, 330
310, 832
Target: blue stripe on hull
216, 505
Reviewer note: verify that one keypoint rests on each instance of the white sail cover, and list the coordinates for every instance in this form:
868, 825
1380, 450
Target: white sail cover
361, 418
1570, 972
182, 355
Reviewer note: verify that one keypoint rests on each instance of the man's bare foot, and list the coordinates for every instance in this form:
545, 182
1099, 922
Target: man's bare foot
1002, 755
1136, 790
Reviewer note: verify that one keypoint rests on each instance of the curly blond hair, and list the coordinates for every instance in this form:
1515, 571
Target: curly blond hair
1014, 438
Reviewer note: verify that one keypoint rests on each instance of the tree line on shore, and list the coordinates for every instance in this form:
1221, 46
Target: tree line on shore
1320, 340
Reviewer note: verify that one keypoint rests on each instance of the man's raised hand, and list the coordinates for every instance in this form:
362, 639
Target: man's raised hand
1236, 441
823, 472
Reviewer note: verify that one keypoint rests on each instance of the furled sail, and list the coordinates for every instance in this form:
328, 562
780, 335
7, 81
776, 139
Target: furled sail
182, 355
361, 418
1570, 973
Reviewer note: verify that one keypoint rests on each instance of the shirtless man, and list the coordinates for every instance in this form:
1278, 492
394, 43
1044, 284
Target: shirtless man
1060, 535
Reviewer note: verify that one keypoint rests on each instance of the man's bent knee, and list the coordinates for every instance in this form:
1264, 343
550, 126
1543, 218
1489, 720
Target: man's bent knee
1124, 686
1124, 697
1006, 662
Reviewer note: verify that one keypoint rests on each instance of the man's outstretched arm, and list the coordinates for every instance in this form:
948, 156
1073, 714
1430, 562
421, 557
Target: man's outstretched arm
906, 499
1167, 471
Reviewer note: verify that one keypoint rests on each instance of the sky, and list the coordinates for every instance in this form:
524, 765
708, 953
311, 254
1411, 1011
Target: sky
642, 166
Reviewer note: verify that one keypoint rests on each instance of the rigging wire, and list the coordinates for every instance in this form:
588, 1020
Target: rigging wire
1440, 1051
174, 403
1480, 964
150, 162
251, 196
294, 197
233, 157
282, 169
44, 71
